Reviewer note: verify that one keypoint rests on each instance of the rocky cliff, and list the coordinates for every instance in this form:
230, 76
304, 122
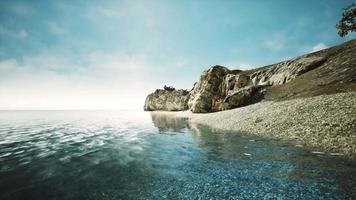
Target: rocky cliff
167, 99
328, 71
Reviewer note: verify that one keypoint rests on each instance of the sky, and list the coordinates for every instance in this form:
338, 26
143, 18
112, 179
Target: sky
88, 54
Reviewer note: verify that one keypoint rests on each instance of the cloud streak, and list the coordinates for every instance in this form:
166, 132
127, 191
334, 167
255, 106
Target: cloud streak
55, 28
275, 42
318, 47
22, 34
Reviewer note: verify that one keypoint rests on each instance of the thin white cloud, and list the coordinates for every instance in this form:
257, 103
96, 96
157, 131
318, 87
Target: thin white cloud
141, 14
55, 28
8, 65
318, 47
275, 42
98, 12
107, 12
118, 66
21, 9
238, 65
244, 66
48, 62
22, 34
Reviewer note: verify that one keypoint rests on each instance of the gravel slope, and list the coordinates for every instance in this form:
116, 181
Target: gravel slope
326, 122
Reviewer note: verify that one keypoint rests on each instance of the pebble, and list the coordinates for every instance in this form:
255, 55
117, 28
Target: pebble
336, 154
318, 152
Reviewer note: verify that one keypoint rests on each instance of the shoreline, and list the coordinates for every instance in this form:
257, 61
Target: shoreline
326, 122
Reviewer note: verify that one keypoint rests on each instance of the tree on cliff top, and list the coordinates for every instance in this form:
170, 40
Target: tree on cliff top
347, 22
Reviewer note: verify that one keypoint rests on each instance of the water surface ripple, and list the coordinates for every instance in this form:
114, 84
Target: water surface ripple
133, 155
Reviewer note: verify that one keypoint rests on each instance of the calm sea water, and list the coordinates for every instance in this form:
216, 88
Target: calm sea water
133, 155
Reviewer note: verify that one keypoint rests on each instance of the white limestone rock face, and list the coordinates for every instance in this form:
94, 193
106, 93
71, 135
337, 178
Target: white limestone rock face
286, 71
169, 100
235, 81
244, 96
219, 88
208, 89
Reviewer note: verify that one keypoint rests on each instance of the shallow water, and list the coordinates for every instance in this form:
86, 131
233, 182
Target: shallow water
133, 155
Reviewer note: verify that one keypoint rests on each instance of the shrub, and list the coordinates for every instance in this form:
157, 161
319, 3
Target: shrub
347, 22
169, 88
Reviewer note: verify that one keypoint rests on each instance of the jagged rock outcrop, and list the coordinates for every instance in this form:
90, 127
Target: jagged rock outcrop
232, 81
167, 99
208, 89
219, 88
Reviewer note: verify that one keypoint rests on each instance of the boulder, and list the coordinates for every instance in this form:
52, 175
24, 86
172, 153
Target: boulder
169, 100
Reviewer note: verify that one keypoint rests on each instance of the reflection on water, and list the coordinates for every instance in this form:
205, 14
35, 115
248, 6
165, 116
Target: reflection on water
123, 155
168, 123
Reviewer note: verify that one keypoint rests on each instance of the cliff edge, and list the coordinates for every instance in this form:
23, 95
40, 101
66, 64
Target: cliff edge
329, 71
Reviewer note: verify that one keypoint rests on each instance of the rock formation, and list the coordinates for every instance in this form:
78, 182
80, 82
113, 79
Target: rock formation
243, 97
167, 99
208, 91
286, 71
219, 88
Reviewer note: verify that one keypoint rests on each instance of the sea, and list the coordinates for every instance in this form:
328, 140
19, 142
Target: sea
136, 155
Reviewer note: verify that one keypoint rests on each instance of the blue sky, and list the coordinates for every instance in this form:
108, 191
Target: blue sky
110, 54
